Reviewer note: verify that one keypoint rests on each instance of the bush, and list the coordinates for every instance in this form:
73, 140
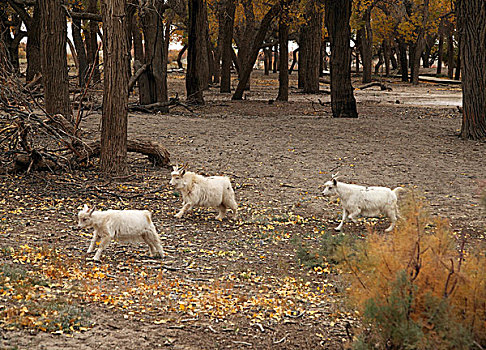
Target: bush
415, 288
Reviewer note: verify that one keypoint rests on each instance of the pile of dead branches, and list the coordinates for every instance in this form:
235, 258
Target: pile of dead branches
31, 139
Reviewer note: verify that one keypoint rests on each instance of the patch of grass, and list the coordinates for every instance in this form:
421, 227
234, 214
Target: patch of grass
327, 250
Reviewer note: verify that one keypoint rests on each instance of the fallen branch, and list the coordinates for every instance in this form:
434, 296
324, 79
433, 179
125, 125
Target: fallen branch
380, 85
156, 153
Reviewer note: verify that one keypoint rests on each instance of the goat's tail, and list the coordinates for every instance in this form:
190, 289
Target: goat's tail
398, 190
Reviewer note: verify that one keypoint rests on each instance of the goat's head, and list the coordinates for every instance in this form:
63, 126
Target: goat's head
330, 186
177, 177
85, 217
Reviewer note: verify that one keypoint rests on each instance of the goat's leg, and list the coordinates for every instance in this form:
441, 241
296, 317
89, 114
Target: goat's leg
354, 215
103, 244
233, 206
342, 221
186, 207
392, 215
222, 212
93, 242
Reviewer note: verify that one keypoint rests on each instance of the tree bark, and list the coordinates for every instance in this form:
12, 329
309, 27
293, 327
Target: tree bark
138, 52
179, 56
343, 103
471, 17
255, 48
310, 40
402, 49
283, 37
54, 58
366, 42
227, 49
91, 37
151, 16
113, 158
80, 50
33, 50
196, 53
450, 54
440, 48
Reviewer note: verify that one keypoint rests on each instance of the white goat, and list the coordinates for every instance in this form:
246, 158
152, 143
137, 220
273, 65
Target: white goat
365, 201
198, 190
123, 225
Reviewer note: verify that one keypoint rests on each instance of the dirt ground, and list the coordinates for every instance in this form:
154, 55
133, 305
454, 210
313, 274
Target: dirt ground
238, 284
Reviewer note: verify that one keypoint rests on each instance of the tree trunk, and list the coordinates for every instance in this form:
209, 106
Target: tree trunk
153, 29
179, 56
366, 36
343, 103
440, 48
283, 37
255, 48
196, 52
457, 74
275, 59
91, 37
310, 40
471, 18
227, 48
80, 50
113, 158
33, 50
54, 58
402, 49
143, 83
386, 57
266, 61
450, 54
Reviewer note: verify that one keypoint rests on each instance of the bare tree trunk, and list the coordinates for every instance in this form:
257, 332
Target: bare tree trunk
386, 56
294, 60
283, 37
196, 52
471, 17
54, 58
266, 61
33, 49
366, 36
179, 56
91, 35
227, 49
113, 160
450, 54
402, 49
343, 103
80, 49
440, 48
143, 83
310, 46
153, 29
255, 48
457, 74
275, 58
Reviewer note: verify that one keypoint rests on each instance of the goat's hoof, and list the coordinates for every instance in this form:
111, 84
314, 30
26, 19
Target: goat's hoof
338, 229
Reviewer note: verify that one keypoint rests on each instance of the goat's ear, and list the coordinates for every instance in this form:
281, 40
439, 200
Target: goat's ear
92, 210
334, 181
335, 176
85, 207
